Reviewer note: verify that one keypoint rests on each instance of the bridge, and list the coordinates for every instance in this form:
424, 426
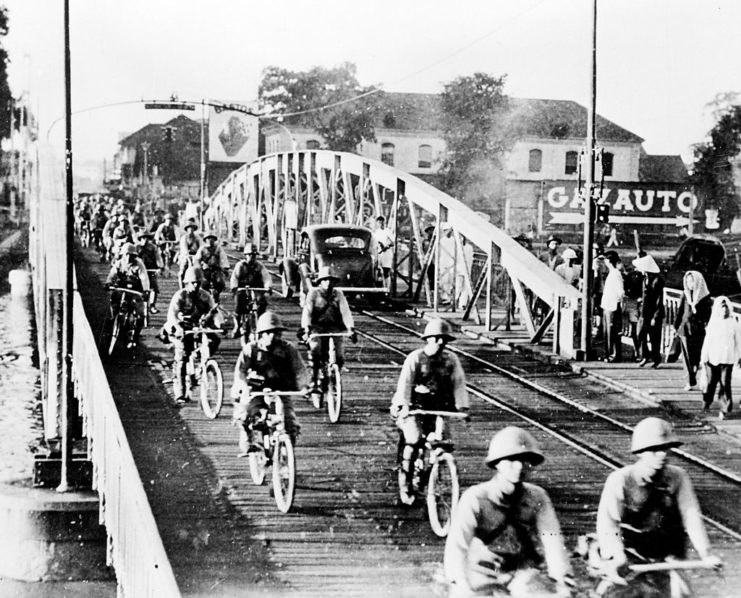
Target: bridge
180, 514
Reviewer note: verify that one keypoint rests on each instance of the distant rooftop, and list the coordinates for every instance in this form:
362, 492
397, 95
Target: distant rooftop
558, 119
662, 169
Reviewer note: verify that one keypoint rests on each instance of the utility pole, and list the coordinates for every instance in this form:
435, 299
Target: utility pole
67, 403
588, 193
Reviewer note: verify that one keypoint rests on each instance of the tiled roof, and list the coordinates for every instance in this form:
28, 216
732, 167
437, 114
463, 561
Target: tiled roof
662, 169
556, 119
560, 119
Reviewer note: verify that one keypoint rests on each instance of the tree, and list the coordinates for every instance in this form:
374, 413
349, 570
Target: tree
477, 132
712, 171
6, 99
322, 96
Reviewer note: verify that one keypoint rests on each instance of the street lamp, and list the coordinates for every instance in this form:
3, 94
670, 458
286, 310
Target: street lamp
287, 131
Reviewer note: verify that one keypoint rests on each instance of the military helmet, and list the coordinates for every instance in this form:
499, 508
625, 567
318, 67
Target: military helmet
210, 236
249, 249
130, 249
653, 433
267, 322
193, 274
438, 327
513, 443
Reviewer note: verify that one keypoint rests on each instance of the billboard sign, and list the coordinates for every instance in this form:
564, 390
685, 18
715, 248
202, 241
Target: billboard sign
232, 136
630, 203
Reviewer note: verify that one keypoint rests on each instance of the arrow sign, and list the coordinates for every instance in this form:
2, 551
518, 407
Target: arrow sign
578, 218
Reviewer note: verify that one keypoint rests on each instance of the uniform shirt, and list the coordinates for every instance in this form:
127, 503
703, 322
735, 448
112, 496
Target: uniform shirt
125, 272
150, 255
521, 528
280, 365
613, 291
165, 232
385, 241
192, 306
212, 257
660, 509
326, 312
250, 274
441, 373
189, 244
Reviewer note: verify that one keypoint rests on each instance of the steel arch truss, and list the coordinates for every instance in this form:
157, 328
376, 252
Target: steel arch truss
444, 252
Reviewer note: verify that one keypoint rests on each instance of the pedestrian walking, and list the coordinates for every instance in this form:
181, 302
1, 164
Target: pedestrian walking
721, 350
692, 318
611, 304
651, 310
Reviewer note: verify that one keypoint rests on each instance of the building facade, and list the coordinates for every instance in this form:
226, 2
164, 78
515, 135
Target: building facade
545, 163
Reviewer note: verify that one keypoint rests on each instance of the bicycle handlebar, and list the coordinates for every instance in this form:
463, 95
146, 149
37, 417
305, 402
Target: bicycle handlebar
328, 334
670, 565
453, 414
251, 289
199, 330
122, 290
279, 393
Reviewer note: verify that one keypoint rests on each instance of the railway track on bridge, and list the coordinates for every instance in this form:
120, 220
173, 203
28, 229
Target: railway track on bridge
347, 534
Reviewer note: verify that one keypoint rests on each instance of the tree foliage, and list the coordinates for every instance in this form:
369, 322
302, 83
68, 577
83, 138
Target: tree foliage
6, 103
712, 171
321, 94
477, 132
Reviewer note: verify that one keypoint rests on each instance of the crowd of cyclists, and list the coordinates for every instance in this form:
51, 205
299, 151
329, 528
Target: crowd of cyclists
504, 538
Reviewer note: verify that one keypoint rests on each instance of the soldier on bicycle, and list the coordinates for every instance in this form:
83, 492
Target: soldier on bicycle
212, 260
644, 513
128, 271
325, 311
270, 362
189, 307
501, 527
431, 379
190, 242
152, 258
248, 272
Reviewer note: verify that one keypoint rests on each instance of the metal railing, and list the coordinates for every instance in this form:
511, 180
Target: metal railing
135, 549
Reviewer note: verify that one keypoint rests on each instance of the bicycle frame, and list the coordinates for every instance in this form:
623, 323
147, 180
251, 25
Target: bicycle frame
251, 314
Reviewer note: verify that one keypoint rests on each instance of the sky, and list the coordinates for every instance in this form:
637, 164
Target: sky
659, 62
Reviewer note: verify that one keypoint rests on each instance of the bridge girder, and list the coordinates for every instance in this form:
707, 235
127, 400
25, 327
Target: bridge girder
263, 201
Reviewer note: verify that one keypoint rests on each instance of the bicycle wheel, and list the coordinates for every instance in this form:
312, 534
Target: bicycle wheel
284, 473
442, 493
258, 463
334, 393
115, 331
212, 389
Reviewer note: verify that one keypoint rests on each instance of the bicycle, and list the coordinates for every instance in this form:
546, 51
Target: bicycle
679, 584
210, 277
204, 370
247, 322
84, 232
330, 378
433, 472
124, 317
168, 255
276, 445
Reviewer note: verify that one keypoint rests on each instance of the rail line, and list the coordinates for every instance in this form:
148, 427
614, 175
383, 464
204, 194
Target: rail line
583, 447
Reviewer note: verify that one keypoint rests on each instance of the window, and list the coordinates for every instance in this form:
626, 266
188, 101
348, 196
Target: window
536, 161
312, 144
424, 159
607, 159
572, 161
387, 153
